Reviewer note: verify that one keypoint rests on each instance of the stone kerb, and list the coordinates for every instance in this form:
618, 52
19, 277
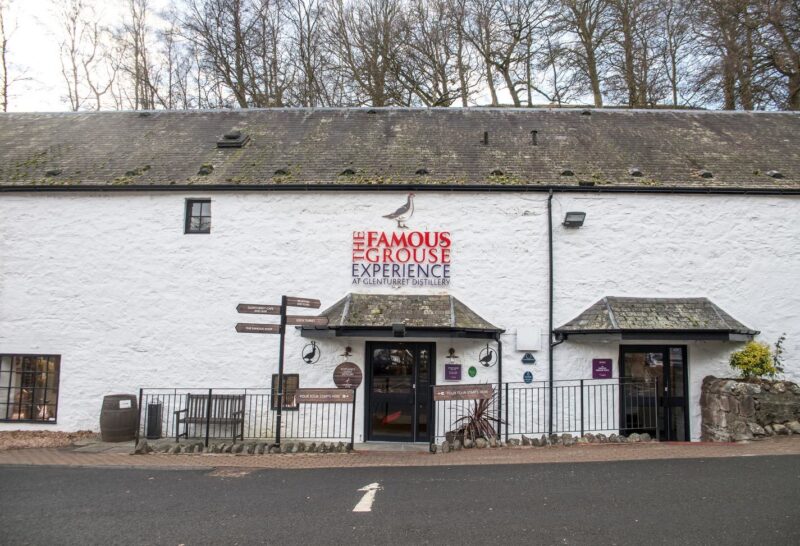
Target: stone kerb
735, 410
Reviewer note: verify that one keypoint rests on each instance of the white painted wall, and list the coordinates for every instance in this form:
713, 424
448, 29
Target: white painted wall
111, 283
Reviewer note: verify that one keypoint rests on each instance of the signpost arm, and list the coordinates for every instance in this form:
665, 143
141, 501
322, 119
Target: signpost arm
280, 372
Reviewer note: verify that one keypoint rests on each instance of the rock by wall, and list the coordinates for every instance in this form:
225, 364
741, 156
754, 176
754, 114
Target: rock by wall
735, 410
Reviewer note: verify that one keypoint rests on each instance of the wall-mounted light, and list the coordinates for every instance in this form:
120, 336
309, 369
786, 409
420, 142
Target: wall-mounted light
574, 219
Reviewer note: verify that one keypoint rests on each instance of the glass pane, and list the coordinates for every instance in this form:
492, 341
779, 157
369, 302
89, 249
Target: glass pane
205, 209
391, 418
678, 424
392, 370
423, 372
676, 372
194, 224
196, 209
205, 224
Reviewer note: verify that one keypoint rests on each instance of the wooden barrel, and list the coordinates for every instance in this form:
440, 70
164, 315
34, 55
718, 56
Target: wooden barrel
118, 418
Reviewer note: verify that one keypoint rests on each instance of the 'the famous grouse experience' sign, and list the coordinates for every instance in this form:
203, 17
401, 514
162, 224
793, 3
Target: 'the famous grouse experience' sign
401, 258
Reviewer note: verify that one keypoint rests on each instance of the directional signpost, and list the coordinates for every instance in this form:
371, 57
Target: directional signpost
295, 320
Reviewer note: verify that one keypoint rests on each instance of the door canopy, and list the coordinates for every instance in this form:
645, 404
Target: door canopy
396, 315
615, 318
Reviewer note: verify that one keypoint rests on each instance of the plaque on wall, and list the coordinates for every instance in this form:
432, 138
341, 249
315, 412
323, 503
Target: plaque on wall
347, 375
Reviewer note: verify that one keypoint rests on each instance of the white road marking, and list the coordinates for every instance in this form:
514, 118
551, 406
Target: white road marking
365, 504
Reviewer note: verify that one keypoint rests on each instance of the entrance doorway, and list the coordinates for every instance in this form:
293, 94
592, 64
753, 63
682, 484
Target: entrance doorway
664, 366
399, 376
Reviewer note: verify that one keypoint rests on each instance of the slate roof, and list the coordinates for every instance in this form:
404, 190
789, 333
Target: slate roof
402, 146
414, 311
620, 315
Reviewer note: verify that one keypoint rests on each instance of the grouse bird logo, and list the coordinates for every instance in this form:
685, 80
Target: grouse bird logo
402, 214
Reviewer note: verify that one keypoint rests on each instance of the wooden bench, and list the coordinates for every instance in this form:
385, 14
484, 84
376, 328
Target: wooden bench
227, 410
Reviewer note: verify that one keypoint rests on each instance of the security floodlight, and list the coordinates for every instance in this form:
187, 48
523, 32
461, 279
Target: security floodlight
574, 219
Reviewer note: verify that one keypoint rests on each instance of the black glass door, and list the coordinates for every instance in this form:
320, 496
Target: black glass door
653, 386
398, 405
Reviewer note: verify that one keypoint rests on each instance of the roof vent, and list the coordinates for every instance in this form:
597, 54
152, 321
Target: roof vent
567, 172
347, 172
422, 172
372, 111
52, 172
635, 172
774, 174
233, 139
205, 169
280, 172
497, 172
586, 112
145, 114
705, 174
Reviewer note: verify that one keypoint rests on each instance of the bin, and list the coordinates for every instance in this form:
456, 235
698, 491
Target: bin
153, 430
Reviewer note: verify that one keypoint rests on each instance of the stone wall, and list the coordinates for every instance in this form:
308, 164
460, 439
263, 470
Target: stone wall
736, 410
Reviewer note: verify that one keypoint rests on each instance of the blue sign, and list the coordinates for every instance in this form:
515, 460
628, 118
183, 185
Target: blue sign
528, 358
527, 377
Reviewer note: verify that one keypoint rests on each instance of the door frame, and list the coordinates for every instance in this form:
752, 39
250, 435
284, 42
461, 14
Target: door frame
368, 351
664, 414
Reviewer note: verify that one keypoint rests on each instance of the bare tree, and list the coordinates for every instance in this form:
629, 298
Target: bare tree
781, 39
366, 38
4, 79
590, 22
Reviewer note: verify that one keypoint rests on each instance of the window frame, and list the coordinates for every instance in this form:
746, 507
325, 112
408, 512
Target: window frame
187, 220
7, 388
273, 404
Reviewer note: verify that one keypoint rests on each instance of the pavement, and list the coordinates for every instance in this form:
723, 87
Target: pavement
115, 455
732, 500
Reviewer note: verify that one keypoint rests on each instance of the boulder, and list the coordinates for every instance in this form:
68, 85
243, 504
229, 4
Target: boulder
165, 448
567, 442
175, 449
237, 448
457, 445
433, 448
645, 437
589, 437
287, 447
445, 447
525, 440
199, 447
780, 429
613, 439
535, 442
602, 438
142, 448
513, 442
260, 446
215, 448
301, 447
312, 447
555, 439
189, 448
468, 443
481, 443
635, 437
756, 429
492, 441
348, 448
340, 447
296, 448
566, 438
793, 426
582, 440
544, 440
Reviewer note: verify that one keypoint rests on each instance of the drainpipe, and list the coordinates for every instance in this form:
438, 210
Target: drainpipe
550, 311
499, 386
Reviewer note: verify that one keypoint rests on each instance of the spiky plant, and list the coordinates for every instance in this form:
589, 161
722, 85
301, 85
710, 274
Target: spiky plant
480, 420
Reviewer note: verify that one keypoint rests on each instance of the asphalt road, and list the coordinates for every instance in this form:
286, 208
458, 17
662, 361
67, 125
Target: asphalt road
745, 500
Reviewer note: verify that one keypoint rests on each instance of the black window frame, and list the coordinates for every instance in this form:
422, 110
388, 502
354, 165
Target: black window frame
187, 221
6, 389
274, 398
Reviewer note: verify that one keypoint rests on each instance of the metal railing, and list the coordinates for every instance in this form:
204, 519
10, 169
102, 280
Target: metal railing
579, 406
238, 414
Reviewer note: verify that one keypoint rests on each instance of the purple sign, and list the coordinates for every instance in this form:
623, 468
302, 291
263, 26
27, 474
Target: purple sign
452, 372
602, 368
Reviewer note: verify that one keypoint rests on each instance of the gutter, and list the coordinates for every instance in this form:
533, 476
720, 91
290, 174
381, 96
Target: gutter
367, 188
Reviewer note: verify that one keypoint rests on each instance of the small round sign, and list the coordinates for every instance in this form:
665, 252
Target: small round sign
347, 375
527, 377
473, 371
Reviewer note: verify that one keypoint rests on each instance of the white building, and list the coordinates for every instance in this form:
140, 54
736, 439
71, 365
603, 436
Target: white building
127, 240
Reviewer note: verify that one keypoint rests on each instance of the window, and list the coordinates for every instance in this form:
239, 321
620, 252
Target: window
29, 387
291, 382
198, 216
